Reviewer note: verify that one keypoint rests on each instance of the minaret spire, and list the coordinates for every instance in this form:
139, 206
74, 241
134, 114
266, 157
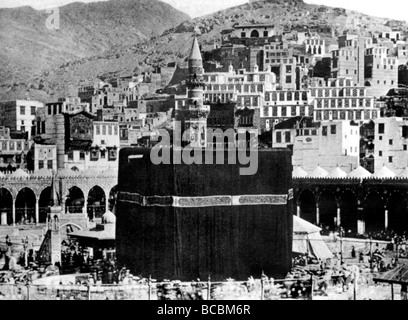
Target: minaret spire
193, 115
195, 53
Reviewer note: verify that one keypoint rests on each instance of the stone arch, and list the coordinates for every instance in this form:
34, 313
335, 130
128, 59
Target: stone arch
328, 210
25, 205
113, 196
96, 202
44, 203
307, 203
75, 200
72, 224
374, 216
254, 34
63, 227
6, 204
349, 211
314, 50
397, 212
367, 84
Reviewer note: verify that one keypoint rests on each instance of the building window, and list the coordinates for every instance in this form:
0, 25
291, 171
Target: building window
390, 159
82, 155
333, 129
33, 111
288, 69
405, 132
40, 164
22, 128
98, 130
405, 147
103, 154
49, 164
324, 131
287, 136
71, 155
390, 142
381, 127
288, 79
278, 137
22, 110
243, 35
265, 34
380, 153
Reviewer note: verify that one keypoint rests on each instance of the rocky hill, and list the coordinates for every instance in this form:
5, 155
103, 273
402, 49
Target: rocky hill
129, 52
30, 50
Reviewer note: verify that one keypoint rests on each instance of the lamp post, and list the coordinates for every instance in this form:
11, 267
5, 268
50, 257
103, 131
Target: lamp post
371, 254
341, 244
25, 246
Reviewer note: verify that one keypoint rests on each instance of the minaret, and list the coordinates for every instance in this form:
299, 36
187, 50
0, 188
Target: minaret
194, 114
54, 224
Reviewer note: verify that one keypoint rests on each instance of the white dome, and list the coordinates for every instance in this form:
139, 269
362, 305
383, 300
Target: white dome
319, 172
384, 172
337, 173
404, 173
43, 173
19, 173
298, 172
108, 218
359, 172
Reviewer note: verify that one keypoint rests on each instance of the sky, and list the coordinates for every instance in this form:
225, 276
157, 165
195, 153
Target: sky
394, 9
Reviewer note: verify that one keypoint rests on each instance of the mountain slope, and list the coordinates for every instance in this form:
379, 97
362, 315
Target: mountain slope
124, 58
86, 30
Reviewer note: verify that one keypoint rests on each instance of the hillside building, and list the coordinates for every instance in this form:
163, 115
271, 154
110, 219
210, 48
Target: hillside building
19, 115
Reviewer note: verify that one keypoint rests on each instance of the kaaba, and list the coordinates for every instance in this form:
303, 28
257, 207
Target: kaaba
183, 222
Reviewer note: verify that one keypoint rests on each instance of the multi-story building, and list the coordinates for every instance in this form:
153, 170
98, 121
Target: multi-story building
281, 105
19, 115
394, 36
348, 60
278, 58
366, 63
42, 157
381, 71
402, 53
391, 144
105, 146
333, 144
13, 149
340, 99
246, 88
81, 142
253, 34
316, 46
67, 105
285, 132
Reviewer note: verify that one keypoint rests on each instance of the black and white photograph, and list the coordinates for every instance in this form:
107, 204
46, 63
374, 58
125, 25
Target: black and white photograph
203, 151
